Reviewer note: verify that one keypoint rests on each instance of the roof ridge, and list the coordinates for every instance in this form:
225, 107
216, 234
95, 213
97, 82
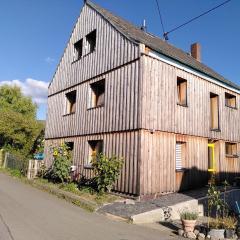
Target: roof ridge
136, 35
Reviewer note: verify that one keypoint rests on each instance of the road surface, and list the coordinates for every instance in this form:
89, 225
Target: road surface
27, 213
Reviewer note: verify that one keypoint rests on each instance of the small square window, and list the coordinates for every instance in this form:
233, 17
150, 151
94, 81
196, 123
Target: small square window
95, 147
71, 102
182, 91
231, 149
97, 93
70, 145
78, 46
230, 100
91, 41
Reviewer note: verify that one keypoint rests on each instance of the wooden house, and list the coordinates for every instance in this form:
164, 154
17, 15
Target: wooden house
123, 91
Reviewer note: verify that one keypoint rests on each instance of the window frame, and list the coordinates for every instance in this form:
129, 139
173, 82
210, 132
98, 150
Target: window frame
77, 50
92, 146
182, 83
94, 94
212, 127
183, 156
233, 153
89, 37
69, 105
229, 96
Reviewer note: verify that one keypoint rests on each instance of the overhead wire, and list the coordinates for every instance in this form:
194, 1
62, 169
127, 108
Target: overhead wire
160, 15
165, 34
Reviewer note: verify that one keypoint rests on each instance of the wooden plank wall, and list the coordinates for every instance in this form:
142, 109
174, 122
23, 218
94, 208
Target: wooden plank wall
123, 144
161, 112
157, 169
119, 113
112, 50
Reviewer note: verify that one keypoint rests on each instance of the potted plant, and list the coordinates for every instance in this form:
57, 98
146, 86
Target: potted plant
217, 230
188, 220
230, 226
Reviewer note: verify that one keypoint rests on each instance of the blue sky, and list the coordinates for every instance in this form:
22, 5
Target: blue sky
34, 34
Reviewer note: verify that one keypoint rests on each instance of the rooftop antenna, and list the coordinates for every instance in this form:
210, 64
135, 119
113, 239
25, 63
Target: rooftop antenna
144, 26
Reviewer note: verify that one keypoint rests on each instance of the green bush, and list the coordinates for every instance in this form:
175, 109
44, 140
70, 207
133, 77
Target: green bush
60, 169
106, 171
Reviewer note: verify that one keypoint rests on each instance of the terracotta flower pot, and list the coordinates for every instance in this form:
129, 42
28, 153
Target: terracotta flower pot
188, 225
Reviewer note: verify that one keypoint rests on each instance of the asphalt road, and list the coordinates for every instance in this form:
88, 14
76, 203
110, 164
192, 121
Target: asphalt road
27, 213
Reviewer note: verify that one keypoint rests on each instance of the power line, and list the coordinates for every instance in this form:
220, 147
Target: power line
165, 34
160, 15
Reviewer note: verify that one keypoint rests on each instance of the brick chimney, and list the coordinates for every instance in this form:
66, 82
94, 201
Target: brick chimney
196, 51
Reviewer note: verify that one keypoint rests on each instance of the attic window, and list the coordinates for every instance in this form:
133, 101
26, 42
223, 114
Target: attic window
231, 149
182, 91
71, 102
78, 49
230, 100
97, 93
91, 42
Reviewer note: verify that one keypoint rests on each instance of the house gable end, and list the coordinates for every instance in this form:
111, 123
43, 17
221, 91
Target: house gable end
112, 50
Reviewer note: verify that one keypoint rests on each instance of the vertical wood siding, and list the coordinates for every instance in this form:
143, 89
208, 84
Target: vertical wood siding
119, 112
119, 144
161, 112
158, 175
112, 50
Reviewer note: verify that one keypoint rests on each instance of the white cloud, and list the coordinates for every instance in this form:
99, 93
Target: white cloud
36, 89
49, 60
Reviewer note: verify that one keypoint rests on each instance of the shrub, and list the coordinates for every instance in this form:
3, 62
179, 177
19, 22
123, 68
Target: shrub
60, 169
107, 171
229, 222
216, 223
187, 215
42, 171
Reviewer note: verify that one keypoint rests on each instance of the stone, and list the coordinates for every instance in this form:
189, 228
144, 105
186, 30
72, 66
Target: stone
129, 202
196, 232
180, 232
200, 236
197, 227
185, 235
191, 235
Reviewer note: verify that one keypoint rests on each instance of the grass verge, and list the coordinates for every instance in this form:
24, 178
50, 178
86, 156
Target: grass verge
85, 197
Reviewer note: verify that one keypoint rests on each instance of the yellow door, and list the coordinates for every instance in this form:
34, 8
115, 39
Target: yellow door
211, 158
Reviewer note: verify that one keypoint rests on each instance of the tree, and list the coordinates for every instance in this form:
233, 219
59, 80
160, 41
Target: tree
18, 125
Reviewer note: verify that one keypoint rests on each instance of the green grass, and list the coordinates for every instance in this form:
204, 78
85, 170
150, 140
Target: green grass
88, 193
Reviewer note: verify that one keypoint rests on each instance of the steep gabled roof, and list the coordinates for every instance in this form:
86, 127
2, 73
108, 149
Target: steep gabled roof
155, 43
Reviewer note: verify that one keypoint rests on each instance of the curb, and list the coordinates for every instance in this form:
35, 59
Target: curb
152, 216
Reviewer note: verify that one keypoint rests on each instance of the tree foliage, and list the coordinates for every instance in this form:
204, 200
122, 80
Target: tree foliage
18, 125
